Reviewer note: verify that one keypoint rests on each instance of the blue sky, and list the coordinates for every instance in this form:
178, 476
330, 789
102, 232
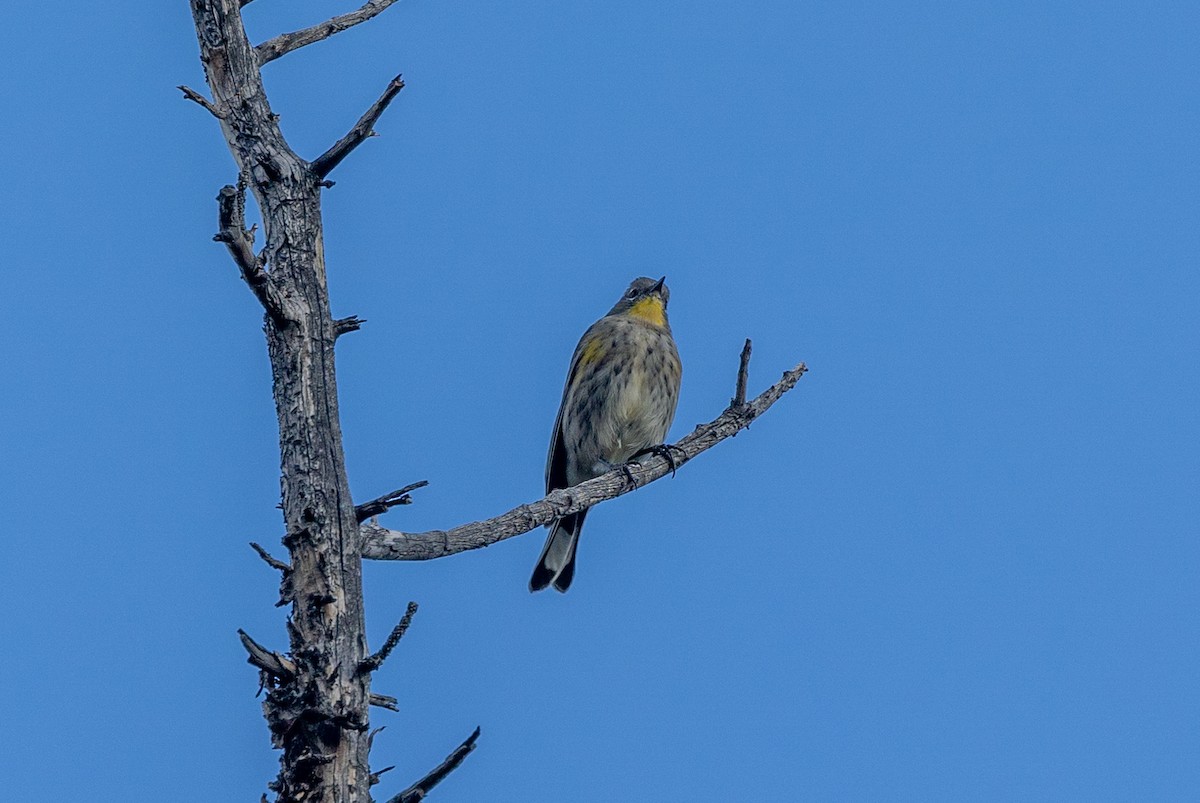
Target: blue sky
959, 561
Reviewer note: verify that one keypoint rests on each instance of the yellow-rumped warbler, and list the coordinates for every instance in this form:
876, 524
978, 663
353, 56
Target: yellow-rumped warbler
618, 402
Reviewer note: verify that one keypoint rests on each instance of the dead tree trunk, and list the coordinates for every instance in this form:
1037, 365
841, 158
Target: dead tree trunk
319, 692
317, 711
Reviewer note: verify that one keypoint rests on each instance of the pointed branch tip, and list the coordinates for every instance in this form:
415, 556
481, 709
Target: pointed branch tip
418, 791
743, 375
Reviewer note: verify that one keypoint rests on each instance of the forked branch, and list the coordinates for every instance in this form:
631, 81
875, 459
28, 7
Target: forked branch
380, 543
287, 42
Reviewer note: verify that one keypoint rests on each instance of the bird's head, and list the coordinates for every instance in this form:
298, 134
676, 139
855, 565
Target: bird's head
645, 299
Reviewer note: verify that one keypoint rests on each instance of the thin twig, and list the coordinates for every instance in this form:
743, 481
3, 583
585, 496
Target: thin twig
371, 736
196, 97
417, 792
287, 42
362, 130
287, 590
739, 394
380, 543
231, 202
374, 661
388, 501
375, 775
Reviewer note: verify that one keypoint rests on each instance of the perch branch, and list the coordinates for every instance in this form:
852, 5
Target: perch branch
373, 662
231, 202
380, 543
361, 131
417, 792
287, 42
386, 502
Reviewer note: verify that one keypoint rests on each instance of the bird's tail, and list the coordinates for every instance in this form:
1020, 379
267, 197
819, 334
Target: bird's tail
557, 563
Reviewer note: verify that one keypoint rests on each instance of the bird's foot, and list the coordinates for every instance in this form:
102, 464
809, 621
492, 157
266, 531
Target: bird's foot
663, 450
627, 469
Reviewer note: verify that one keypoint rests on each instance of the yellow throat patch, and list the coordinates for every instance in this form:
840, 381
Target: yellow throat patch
649, 309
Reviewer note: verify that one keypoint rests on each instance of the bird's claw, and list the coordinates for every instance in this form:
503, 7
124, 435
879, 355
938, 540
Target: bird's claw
627, 470
663, 450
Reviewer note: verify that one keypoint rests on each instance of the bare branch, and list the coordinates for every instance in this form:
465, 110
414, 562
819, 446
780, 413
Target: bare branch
270, 662
374, 661
384, 701
196, 97
375, 775
359, 133
287, 42
388, 501
287, 591
342, 326
371, 736
417, 792
739, 394
270, 560
380, 543
231, 202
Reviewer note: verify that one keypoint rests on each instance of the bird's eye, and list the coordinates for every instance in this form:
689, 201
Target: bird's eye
632, 293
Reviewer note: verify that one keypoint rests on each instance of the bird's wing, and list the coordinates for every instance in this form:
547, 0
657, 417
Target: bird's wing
588, 352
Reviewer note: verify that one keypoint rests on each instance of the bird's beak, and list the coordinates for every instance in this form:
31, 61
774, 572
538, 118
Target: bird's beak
657, 288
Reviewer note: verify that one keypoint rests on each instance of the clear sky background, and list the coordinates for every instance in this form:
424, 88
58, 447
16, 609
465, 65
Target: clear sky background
958, 561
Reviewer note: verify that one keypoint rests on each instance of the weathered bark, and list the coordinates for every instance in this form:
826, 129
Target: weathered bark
319, 716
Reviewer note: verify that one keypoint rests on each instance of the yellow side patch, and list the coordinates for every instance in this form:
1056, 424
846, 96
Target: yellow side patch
649, 309
592, 352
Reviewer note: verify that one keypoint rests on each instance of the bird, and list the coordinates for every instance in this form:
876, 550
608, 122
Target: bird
618, 403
